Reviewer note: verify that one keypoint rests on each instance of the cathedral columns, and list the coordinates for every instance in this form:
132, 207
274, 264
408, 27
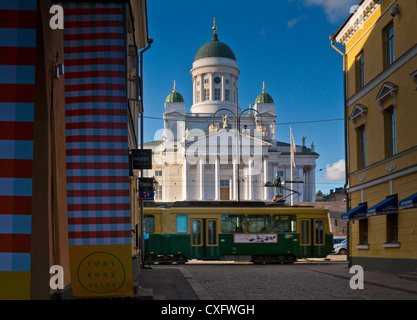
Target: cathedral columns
235, 182
202, 162
265, 177
185, 179
217, 178
250, 179
222, 87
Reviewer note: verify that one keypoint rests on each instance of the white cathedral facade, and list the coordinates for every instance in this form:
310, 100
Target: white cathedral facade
220, 151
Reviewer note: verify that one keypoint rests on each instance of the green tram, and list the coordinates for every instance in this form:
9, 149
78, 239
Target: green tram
260, 232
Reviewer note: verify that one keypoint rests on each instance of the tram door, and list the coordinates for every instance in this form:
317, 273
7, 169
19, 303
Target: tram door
204, 239
312, 237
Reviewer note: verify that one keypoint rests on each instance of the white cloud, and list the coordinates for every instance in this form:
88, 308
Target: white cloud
334, 9
291, 23
335, 171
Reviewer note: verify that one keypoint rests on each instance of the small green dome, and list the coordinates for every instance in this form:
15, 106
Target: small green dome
264, 97
215, 48
174, 97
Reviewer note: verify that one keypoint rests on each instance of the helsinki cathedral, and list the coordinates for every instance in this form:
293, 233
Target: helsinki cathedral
218, 150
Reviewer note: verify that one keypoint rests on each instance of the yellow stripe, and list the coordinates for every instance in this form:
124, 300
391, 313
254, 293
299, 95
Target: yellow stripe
15, 285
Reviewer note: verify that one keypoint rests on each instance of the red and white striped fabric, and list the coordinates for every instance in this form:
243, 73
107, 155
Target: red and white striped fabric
17, 96
96, 124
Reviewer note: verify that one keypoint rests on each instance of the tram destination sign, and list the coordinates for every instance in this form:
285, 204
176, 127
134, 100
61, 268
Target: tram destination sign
140, 159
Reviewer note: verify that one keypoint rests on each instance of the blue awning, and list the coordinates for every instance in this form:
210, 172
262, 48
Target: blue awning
387, 206
410, 202
357, 213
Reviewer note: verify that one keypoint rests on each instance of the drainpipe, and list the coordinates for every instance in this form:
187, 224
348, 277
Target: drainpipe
142, 225
349, 258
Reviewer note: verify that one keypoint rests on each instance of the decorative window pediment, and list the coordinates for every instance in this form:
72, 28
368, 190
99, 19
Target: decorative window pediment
359, 112
414, 77
387, 91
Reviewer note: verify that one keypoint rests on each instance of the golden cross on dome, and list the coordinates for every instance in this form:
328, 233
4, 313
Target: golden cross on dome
214, 26
263, 89
175, 88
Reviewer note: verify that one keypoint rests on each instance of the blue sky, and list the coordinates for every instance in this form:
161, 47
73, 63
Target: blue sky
282, 42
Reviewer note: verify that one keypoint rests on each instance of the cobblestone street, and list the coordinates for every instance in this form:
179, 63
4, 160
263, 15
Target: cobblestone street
278, 282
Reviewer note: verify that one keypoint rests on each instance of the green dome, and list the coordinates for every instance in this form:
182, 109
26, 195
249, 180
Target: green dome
215, 48
174, 97
264, 98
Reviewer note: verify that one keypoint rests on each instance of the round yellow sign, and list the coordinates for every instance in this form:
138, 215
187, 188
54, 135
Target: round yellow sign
101, 272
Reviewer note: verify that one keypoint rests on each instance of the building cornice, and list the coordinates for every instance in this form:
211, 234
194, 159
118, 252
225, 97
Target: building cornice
357, 20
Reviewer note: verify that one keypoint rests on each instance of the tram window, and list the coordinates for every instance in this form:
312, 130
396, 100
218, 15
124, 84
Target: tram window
182, 225
233, 223
212, 232
259, 224
196, 232
305, 232
149, 224
285, 223
319, 232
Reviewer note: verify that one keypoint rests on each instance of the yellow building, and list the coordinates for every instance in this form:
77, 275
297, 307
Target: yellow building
380, 68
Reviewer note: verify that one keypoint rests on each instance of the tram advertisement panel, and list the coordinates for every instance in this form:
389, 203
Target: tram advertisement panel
255, 238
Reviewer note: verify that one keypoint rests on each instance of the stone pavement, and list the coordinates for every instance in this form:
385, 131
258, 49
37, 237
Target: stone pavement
176, 283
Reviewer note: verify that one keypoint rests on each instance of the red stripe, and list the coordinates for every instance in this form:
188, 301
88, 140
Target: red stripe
93, 24
95, 74
92, 11
99, 220
16, 205
98, 206
95, 112
24, 93
97, 165
96, 125
96, 139
15, 56
18, 243
22, 19
93, 36
97, 179
16, 130
97, 152
95, 86
15, 168
94, 49
98, 193
99, 234
95, 99
85, 62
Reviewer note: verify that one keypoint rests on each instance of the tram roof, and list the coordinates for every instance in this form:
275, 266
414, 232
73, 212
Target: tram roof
220, 204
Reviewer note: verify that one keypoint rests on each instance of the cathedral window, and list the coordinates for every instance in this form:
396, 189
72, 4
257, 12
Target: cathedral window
226, 94
206, 94
206, 81
217, 94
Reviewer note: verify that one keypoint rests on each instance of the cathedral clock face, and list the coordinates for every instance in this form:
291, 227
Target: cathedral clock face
217, 80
